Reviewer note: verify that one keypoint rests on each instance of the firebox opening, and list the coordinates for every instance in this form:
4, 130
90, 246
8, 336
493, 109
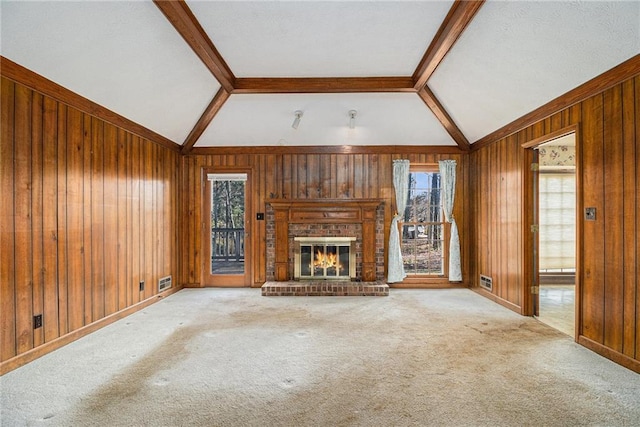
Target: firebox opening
324, 258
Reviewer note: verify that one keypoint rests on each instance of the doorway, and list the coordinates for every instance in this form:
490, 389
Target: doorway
555, 216
226, 233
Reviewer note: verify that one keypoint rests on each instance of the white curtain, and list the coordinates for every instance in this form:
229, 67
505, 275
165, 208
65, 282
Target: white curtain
401, 185
448, 183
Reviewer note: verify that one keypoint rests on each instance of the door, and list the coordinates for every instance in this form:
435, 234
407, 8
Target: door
557, 235
551, 263
226, 228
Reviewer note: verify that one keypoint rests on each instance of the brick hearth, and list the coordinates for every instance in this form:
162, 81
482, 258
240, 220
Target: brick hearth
324, 288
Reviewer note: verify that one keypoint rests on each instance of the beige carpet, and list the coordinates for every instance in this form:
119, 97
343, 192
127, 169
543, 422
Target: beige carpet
217, 357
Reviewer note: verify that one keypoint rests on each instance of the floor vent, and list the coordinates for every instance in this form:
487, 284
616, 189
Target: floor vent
164, 283
486, 282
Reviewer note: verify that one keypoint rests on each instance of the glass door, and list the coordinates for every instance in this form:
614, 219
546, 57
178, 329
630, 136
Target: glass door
226, 237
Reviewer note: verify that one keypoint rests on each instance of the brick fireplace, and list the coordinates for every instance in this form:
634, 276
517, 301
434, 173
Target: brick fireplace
362, 219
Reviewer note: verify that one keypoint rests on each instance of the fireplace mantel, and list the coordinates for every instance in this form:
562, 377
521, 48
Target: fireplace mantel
325, 211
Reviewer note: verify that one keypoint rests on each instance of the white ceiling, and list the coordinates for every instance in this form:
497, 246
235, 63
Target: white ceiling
321, 38
382, 119
514, 57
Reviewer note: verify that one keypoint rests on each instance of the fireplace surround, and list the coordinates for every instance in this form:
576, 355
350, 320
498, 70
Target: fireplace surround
324, 218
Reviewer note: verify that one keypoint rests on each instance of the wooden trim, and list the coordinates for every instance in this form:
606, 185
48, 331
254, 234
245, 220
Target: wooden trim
458, 18
295, 204
579, 252
610, 354
527, 236
604, 81
511, 306
180, 16
550, 136
32, 80
328, 149
209, 113
226, 280
443, 117
31, 355
427, 283
323, 85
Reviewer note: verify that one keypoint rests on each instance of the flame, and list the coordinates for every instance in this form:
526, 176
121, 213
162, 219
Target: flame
327, 260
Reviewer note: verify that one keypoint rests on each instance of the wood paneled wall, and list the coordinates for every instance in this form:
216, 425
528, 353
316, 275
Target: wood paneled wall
609, 253
301, 176
88, 210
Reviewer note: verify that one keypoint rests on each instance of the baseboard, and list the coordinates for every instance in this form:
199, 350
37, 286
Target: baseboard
503, 302
617, 357
31, 355
427, 285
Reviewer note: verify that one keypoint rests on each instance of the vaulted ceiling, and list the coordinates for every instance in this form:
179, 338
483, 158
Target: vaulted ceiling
232, 73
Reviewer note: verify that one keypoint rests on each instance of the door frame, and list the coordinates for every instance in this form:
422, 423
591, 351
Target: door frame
530, 239
225, 280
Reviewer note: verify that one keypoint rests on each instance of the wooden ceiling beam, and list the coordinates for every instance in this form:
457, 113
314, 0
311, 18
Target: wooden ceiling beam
209, 113
441, 114
329, 149
458, 18
323, 85
183, 20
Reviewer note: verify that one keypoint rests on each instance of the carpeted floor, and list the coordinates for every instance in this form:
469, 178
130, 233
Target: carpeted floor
230, 357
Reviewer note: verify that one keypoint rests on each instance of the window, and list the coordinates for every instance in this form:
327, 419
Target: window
423, 230
557, 198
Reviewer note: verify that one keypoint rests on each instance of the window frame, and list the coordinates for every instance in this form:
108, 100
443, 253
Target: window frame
446, 230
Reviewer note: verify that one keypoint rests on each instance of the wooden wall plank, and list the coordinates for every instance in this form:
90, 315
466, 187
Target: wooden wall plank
136, 235
146, 212
63, 222
504, 209
98, 221
157, 235
637, 113
75, 217
189, 236
114, 137
87, 188
110, 214
169, 170
629, 213
593, 178
287, 171
23, 220
7, 225
197, 221
36, 220
50, 220
613, 229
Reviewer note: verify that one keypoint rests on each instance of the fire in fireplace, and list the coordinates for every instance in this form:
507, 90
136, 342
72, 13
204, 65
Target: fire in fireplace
324, 258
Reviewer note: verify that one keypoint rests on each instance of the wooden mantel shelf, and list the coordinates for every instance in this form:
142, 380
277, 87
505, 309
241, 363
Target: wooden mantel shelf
325, 211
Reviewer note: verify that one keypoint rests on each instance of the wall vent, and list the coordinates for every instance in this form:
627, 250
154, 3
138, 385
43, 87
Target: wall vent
486, 282
164, 283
